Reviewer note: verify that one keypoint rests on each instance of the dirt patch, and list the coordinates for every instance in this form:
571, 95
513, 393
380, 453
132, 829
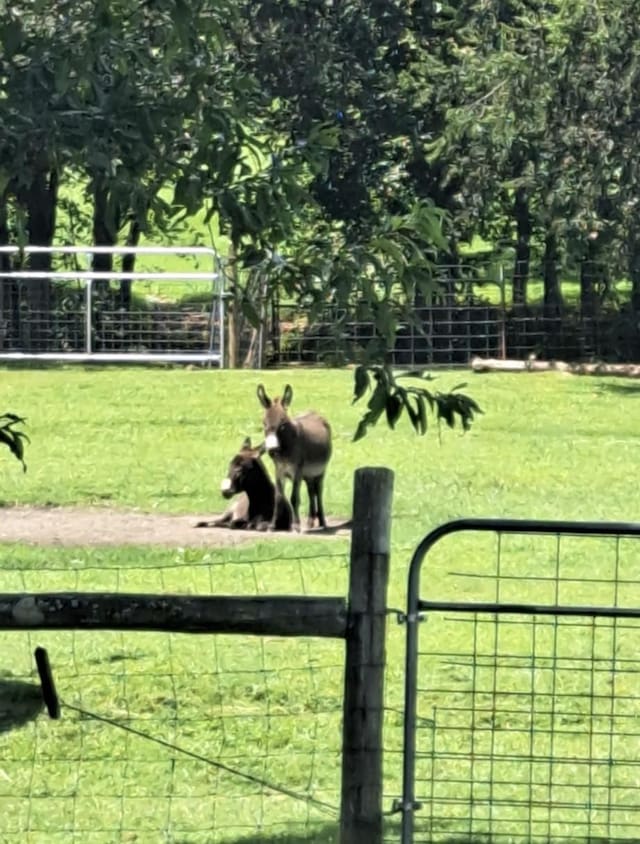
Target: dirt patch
68, 526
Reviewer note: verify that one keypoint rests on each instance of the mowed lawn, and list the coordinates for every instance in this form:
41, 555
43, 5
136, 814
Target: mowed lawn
257, 721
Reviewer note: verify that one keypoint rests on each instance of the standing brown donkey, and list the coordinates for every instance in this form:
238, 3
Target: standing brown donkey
300, 449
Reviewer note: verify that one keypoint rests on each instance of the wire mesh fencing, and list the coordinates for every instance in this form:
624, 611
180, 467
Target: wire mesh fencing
523, 713
173, 736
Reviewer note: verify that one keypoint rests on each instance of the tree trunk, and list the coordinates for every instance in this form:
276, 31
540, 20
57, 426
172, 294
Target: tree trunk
40, 201
8, 290
105, 231
552, 292
523, 246
128, 266
588, 278
233, 313
634, 272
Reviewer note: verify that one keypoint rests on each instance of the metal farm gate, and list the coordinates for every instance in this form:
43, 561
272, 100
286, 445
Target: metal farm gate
55, 307
522, 707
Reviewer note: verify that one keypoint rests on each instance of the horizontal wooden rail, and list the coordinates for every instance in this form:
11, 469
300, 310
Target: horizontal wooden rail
262, 616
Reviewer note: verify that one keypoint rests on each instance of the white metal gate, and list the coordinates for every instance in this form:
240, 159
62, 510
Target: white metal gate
84, 324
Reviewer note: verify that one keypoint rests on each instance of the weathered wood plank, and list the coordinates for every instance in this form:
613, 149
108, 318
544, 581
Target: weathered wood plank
266, 616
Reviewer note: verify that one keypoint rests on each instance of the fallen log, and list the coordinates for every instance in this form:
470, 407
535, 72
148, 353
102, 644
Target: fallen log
624, 370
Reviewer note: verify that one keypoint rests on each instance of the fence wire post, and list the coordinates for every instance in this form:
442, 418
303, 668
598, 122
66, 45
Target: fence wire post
88, 317
361, 797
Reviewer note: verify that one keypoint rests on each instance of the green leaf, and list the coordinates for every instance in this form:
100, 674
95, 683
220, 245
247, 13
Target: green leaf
5, 178
393, 409
325, 135
378, 400
422, 414
434, 150
264, 205
61, 77
12, 417
413, 414
11, 36
445, 411
14, 440
470, 403
250, 313
252, 256
361, 430
361, 383
388, 247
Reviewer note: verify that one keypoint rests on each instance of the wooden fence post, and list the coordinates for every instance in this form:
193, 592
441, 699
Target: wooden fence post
361, 798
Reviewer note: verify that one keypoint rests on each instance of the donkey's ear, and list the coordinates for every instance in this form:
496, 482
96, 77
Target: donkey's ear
263, 398
287, 396
247, 442
262, 449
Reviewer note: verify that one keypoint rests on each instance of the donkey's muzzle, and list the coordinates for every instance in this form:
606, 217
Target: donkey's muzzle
272, 444
226, 488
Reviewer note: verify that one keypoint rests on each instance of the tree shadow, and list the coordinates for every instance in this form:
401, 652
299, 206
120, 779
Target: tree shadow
424, 831
631, 390
484, 838
20, 702
523, 839
321, 834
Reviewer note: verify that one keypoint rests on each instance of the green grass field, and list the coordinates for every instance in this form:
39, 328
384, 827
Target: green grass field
249, 710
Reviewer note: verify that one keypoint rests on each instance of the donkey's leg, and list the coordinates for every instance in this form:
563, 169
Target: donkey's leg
313, 510
295, 500
280, 496
320, 509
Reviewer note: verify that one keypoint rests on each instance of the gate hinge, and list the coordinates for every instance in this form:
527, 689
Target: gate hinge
400, 806
403, 618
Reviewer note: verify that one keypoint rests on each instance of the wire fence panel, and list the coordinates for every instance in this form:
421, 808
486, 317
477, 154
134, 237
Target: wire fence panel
521, 708
474, 310
173, 737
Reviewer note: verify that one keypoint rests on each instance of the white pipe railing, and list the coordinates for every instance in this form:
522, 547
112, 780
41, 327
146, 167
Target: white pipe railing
111, 250
106, 275
89, 276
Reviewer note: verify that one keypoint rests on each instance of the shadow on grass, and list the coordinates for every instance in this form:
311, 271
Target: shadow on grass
522, 839
330, 834
630, 390
342, 528
441, 837
325, 834
20, 703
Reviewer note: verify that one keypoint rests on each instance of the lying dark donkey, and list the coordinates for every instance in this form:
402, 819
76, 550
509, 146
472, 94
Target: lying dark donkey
255, 508
300, 448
